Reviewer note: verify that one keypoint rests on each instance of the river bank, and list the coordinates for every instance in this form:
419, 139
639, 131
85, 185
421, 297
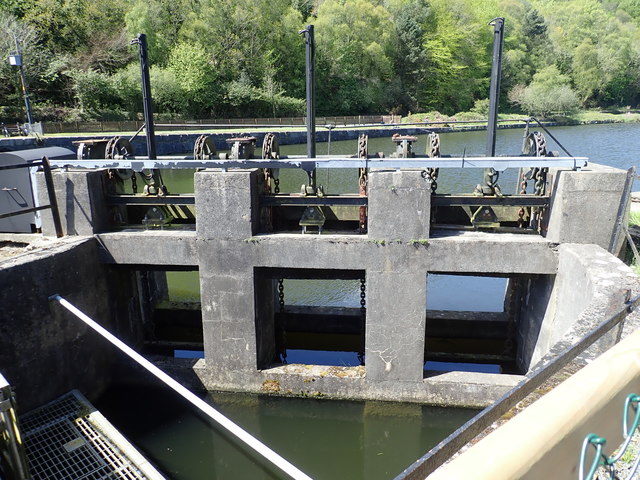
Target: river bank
179, 141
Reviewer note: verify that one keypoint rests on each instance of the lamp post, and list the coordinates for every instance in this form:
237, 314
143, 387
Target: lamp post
16, 61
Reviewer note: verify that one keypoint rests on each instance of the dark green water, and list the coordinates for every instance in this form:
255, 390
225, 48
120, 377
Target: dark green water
326, 439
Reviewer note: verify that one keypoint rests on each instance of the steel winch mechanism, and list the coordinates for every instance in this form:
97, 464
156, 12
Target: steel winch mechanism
119, 148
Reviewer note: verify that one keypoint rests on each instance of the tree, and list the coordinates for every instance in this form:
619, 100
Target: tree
410, 58
549, 92
354, 65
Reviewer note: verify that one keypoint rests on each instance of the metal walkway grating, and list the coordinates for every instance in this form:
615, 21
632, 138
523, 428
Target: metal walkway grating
69, 439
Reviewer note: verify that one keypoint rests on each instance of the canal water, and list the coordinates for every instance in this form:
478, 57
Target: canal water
335, 439
327, 439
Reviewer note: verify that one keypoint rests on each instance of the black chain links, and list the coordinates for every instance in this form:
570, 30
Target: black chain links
363, 317
283, 337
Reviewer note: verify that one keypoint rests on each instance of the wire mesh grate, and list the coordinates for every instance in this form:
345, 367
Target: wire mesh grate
61, 441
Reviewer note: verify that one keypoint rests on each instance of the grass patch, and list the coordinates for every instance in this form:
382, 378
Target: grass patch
634, 218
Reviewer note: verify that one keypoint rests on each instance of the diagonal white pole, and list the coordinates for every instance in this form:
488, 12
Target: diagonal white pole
219, 418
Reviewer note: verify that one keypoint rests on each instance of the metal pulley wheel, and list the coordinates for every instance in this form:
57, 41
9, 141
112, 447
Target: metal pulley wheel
270, 147
204, 148
119, 148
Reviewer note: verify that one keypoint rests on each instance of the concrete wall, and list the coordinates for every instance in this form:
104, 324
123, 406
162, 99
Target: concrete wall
590, 286
237, 291
44, 350
81, 201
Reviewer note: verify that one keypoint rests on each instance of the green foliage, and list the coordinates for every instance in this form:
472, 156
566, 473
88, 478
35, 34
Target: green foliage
353, 40
549, 92
246, 58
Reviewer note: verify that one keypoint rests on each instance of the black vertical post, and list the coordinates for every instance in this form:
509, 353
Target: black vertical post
310, 43
141, 40
23, 79
311, 106
494, 90
53, 202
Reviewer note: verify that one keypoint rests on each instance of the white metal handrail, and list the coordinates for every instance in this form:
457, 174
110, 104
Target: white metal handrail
203, 406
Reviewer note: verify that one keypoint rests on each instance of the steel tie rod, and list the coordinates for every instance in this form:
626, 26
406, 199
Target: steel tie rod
203, 406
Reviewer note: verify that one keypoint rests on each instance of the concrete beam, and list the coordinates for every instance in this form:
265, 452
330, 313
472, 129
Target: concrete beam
149, 247
468, 252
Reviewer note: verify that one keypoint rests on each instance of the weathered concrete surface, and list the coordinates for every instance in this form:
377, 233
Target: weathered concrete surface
395, 330
399, 205
44, 350
537, 304
591, 285
81, 198
460, 252
227, 204
584, 204
465, 389
165, 248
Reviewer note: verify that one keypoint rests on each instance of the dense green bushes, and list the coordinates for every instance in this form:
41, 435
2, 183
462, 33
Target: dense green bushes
245, 57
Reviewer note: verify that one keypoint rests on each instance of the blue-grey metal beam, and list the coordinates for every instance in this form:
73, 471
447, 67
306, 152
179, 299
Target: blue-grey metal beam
308, 164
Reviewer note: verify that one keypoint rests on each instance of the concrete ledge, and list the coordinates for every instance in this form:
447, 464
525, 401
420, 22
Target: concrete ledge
463, 389
149, 247
461, 252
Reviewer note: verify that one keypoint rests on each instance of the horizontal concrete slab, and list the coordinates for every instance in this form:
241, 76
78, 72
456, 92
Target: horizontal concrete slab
457, 252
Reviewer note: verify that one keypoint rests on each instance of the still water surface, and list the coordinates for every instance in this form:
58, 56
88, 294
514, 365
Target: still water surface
331, 440
335, 439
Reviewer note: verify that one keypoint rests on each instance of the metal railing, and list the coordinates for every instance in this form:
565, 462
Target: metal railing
53, 204
13, 461
550, 364
242, 435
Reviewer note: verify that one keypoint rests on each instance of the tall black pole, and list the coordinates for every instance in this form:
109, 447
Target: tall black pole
311, 105
494, 89
141, 40
23, 79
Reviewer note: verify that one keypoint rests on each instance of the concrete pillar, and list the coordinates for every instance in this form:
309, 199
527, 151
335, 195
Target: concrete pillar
584, 204
227, 204
399, 205
228, 320
395, 331
81, 198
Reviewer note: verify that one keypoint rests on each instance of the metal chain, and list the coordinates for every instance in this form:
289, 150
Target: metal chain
433, 151
363, 152
134, 183
523, 191
283, 345
363, 318
276, 183
281, 294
